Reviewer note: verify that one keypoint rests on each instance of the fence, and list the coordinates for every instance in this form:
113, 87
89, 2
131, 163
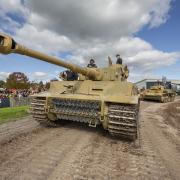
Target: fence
13, 102
4, 102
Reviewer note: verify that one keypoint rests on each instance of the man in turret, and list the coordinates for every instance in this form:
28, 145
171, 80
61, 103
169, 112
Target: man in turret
92, 64
68, 75
119, 59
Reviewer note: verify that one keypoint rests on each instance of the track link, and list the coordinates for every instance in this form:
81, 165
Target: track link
39, 113
123, 120
77, 110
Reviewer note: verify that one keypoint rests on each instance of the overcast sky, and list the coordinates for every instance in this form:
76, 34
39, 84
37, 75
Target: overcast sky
144, 32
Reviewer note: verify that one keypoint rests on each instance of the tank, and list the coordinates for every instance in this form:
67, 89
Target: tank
100, 96
158, 93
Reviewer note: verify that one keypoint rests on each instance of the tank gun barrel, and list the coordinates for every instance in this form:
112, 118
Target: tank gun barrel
8, 45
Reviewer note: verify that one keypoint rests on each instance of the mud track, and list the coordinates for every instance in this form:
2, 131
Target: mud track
75, 151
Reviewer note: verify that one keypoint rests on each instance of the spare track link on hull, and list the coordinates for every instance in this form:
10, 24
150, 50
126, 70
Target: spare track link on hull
77, 110
123, 121
38, 112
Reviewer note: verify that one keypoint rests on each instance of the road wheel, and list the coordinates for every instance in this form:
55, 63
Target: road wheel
172, 98
169, 99
163, 99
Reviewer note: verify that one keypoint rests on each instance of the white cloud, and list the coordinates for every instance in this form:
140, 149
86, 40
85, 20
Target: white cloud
135, 52
92, 29
43, 40
159, 14
11, 6
135, 77
4, 75
10, 11
152, 59
43, 76
8, 23
38, 76
98, 18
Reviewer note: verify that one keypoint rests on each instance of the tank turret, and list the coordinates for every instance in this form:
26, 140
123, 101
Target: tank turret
113, 72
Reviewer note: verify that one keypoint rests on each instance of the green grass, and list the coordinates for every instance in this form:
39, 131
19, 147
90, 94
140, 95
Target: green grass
12, 114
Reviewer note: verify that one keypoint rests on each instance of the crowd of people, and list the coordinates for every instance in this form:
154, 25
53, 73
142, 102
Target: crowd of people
13, 97
13, 93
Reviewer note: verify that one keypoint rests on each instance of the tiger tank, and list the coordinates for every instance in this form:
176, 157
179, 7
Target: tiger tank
158, 93
100, 96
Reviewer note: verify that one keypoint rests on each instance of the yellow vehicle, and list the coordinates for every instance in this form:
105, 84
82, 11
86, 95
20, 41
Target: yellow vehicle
158, 93
99, 96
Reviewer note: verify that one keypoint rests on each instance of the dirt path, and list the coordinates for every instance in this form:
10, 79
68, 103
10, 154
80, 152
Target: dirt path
74, 151
13, 129
162, 138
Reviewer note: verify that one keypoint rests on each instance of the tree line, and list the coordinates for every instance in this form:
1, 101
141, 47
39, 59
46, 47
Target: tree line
18, 80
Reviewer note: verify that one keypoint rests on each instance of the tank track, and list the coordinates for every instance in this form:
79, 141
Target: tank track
77, 110
39, 113
167, 98
123, 120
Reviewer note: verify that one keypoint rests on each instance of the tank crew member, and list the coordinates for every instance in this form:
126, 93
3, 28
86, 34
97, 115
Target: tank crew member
119, 59
92, 64
69, 75
63, 76
126, 71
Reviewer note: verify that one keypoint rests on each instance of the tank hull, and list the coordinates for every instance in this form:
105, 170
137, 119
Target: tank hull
161, 95
152, 97
110, 104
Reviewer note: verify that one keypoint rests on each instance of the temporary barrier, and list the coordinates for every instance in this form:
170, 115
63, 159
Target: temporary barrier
13, 102
22, 101
4, 102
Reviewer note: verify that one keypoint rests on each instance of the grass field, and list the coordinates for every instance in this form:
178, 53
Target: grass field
12, 114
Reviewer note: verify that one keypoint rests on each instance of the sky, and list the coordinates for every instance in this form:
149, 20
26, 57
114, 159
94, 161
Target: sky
144, 32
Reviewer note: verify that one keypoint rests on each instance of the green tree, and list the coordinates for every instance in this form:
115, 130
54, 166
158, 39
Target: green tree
34, 85
47, 85
40, 86
2, 84
17, 80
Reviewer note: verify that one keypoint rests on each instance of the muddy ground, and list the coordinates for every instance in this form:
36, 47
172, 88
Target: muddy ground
75, 151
